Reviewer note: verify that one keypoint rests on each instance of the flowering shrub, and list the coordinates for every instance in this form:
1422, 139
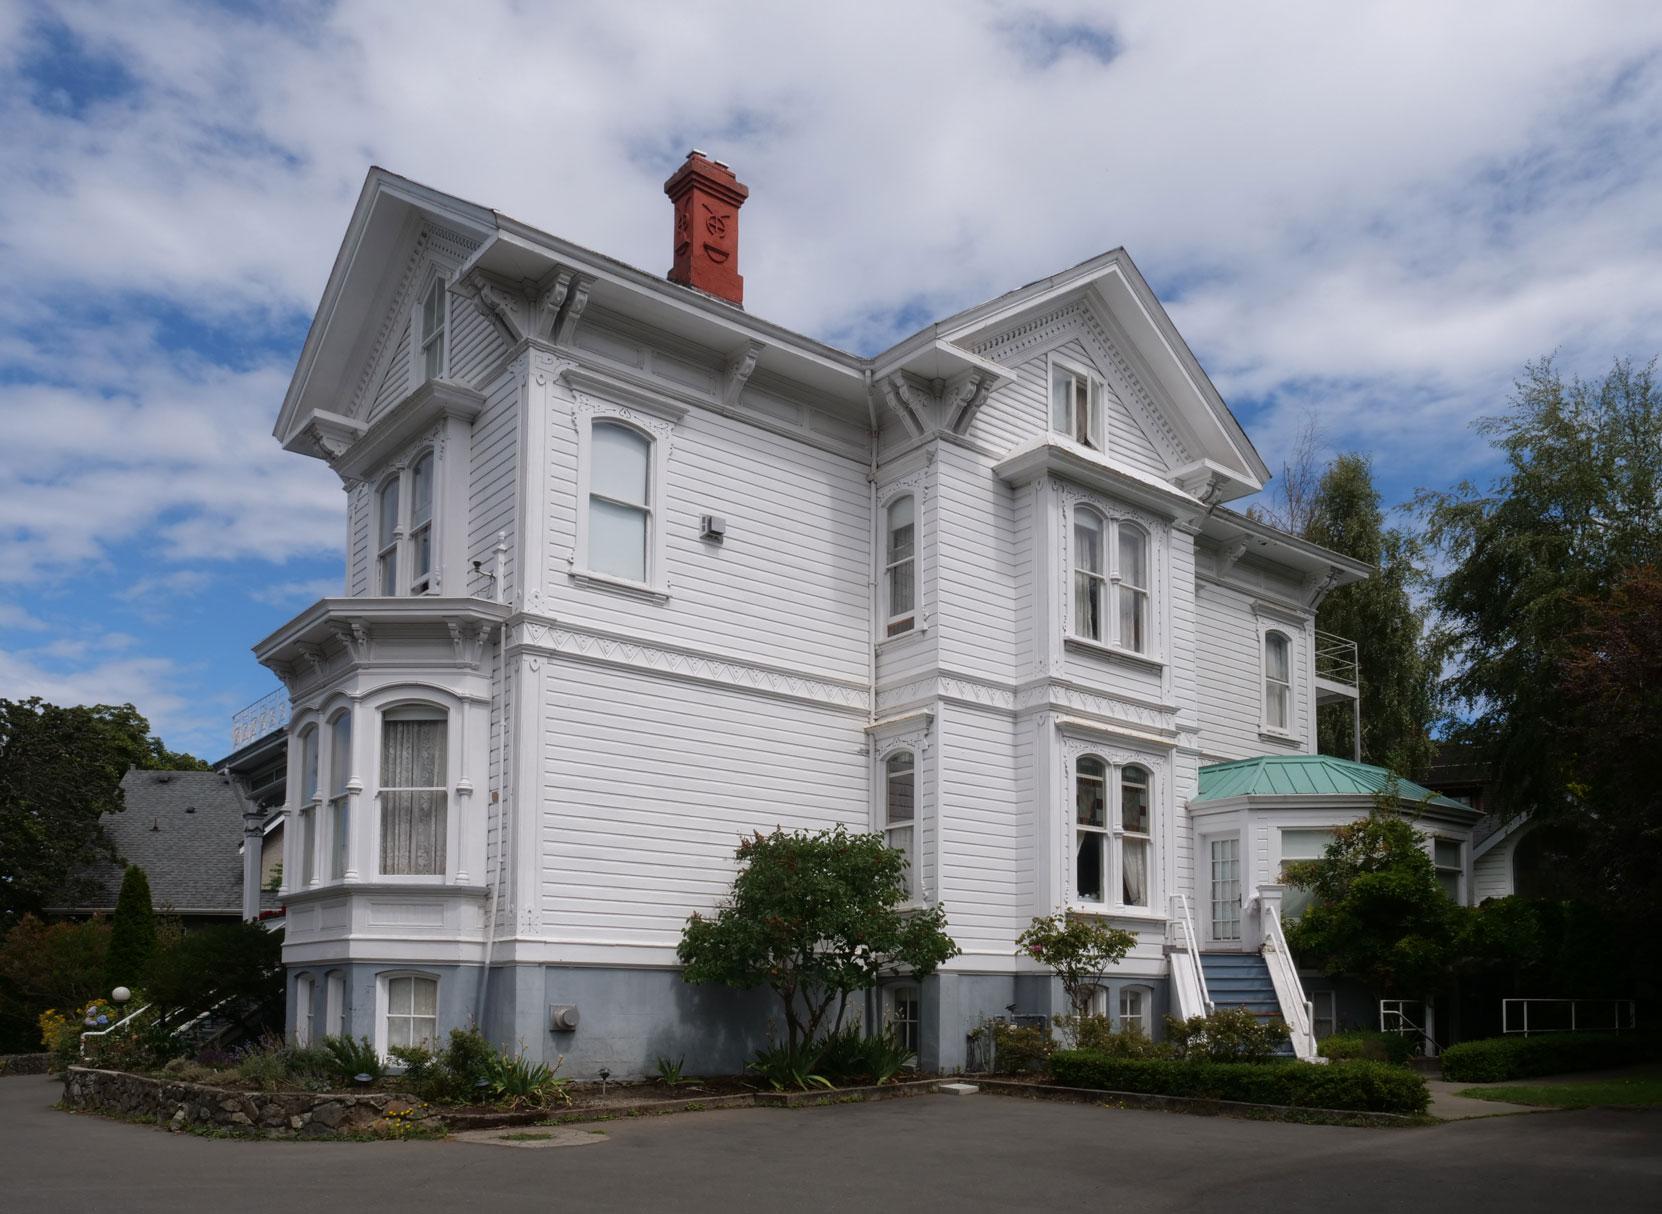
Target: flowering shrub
60, 1031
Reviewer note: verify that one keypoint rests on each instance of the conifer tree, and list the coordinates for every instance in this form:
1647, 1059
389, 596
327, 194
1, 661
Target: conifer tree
133, 933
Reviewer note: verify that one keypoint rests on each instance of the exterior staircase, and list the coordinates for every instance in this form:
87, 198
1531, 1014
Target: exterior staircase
1243, 980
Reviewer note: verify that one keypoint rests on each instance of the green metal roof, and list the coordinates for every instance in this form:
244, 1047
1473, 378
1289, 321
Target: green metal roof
1304, 775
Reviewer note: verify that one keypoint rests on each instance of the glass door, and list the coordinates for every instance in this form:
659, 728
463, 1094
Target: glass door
1224, 900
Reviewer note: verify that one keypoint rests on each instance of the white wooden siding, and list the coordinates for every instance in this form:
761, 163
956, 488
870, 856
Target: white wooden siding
492, 483
975, 581
985, 856
651, 782
475, 344
395, 384
789, 586
1230, 674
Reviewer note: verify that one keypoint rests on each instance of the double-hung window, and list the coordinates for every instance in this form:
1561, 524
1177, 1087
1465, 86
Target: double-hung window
433, 330
340, 772
1076, 406
1449, 858
404, 529
1300, 845
308, 806
1278, 682
1113, 841
413, 794
620, 503
900, 575
1110, 558
304, 997
900, 812
1133, 1009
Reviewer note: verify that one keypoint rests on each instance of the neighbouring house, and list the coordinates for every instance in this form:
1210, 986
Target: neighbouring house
185, 829
258, 769
632, 573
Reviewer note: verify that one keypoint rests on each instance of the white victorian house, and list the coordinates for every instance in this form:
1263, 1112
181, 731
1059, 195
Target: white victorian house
632, 573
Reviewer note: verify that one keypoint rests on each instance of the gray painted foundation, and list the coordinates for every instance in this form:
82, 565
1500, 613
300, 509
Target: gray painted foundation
630, 1018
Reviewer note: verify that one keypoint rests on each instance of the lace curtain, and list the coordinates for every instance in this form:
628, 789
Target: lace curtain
412, 797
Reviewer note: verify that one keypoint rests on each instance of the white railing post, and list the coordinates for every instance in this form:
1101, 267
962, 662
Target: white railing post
1289, 991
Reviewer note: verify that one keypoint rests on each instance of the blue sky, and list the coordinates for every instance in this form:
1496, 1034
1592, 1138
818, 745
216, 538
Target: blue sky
1369, 214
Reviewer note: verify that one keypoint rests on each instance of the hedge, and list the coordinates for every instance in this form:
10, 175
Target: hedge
1363, 1087
1499, 1058
1367, 1044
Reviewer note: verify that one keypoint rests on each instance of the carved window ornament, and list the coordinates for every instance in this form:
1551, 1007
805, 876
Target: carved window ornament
622, 469
1111, 795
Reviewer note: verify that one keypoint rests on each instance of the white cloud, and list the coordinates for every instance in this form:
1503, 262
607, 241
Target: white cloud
282, 593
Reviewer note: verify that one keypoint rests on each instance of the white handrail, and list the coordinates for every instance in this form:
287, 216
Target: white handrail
111, 1029
1289, 991
1617, 1006
1191, 945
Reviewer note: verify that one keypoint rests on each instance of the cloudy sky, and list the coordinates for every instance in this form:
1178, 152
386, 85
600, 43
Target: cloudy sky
1373, 213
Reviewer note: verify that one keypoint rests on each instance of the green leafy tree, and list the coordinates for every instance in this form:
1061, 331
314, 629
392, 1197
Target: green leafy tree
1578, 503
44, 966
1077, 949
815, 918
133, 934
60, 772
194, 971
1398, 670
1380, 915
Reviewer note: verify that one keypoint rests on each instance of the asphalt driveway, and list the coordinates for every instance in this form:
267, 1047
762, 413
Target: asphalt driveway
929, 1153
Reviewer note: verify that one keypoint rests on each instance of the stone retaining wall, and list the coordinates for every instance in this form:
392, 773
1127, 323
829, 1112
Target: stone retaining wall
25, 1064
278, 1114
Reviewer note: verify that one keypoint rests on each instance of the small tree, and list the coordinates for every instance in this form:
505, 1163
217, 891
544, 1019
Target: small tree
815, 918
1079, 951
133, 934
44, 966
1380, 914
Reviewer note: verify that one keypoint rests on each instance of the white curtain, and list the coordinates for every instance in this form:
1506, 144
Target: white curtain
1134, 855
412, 797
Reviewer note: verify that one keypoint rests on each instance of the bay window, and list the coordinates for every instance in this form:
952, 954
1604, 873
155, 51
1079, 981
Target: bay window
1112, 851
340, 772
900, 564
1134, 836
900, 812
414, 742
1111, 557
308, 807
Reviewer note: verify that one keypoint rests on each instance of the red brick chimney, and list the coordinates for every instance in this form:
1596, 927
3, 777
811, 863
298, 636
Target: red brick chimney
707, 198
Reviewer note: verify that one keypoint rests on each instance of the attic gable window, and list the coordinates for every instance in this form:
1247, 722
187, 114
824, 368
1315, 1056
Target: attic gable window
432, 331
1076, 406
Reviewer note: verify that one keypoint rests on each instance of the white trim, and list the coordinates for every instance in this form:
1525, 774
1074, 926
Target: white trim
383, 1004
658, 434
305, 999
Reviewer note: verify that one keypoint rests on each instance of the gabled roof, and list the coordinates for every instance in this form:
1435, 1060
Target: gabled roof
184, 829
1307, 775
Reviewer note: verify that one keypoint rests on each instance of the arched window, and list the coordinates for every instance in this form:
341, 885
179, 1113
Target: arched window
900, 564
1134, 836
334, 1004
308, 806
1090, 582
432, 330
1091, 830
303, 996
1131, 569
1134, 1008
1278, 681
414, 742
340, 772
421, 524
412, 1010
900, 812
1096, 1000
620, 511
386, 514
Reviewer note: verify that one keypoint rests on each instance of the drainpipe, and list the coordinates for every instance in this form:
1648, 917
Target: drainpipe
483, 994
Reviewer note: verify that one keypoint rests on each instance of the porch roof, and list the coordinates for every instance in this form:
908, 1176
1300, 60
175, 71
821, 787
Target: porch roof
1305, 775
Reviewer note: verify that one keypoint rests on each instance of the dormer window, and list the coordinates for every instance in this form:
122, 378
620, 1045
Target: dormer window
432, 331
1076, 406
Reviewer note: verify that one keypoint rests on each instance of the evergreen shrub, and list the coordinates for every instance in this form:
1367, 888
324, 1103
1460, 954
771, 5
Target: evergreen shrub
1368, 1044
1365, 1087
1499, 1058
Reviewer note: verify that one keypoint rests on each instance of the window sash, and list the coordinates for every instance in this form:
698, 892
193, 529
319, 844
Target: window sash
413, 797
1090, 584
617, 538
412, 1011
1091, 865
900, 569
432, 330
1225, 889
1133, 1008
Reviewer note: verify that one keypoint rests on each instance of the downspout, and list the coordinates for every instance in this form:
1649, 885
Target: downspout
875, 532
491, 903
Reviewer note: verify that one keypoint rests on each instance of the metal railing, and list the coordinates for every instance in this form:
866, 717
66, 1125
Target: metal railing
1619, 1010
1289, 991
131, 1016
260, 718
1394, 1018
1189, 971
1336, 659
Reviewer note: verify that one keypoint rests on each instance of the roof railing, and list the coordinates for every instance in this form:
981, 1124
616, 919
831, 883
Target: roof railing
260, 718
1336, 659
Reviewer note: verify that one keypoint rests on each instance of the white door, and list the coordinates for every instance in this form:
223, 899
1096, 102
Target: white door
1223, 902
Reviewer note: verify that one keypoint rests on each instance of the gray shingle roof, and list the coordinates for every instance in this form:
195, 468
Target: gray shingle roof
184, 828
